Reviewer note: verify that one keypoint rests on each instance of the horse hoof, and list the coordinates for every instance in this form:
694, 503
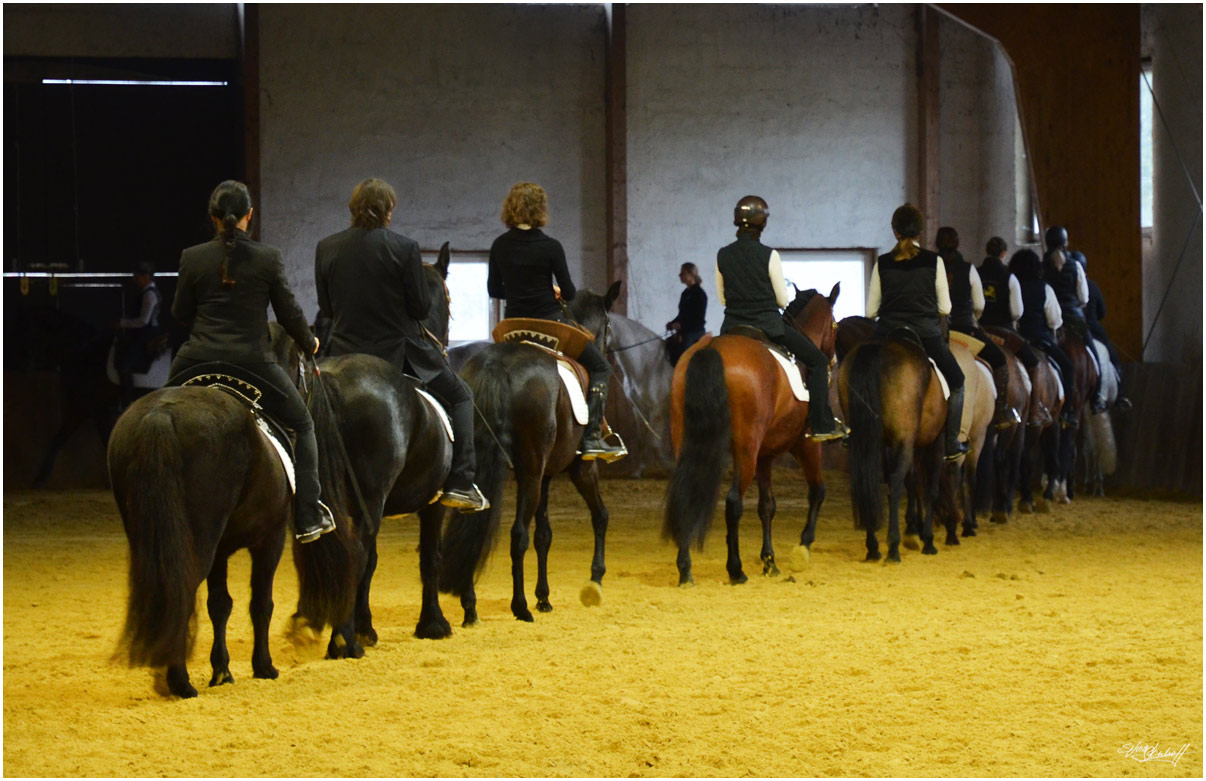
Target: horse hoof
951, 539
591, 594
269, 674
471, 621
999, 517
873, 557
523, 615
1042, 506
911, 543
433, 630
221, 678
969, 532
688, 582
893, 558
1025, 508
367, 639
174, 684
543, 606
1065, 500
769, 569
738, 579
800, 559
930, 550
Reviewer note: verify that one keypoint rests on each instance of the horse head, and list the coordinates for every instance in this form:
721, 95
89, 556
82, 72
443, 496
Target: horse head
436, 276
590, 310
812, 314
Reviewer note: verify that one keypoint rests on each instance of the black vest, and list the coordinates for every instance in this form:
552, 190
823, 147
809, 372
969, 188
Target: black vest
133, 306
749, 297
907, 293
994, 277
1063, 282
958, 275
1033, 322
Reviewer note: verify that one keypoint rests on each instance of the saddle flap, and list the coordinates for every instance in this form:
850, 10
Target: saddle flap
971, 343
551, 334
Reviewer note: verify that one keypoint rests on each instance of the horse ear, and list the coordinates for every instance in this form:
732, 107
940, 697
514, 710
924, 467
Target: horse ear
833, 294
441, 264
613, 293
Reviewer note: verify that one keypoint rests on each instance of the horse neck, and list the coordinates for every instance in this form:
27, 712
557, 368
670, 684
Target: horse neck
817, 323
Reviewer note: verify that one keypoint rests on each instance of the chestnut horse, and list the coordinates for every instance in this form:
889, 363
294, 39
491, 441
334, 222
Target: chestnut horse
730, 395
1059, 483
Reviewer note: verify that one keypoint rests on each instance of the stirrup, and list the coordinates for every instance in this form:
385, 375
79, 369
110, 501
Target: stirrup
326, 524
840, 431
470, 500
1011, 418
591, 451
1122, 404
961, 449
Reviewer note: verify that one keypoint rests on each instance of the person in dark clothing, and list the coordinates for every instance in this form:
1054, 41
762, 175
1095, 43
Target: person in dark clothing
1067, 278
688, 325
524, 263
371, 285
1003, 306
909, 289
223, 292
1040, 318
136, 331
1095, 312
749, 281
967, 303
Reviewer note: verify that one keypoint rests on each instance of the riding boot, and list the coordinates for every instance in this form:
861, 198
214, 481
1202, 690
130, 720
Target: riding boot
1040, 415
593, 446
459, 489
954, 419
1005, 415
311, 518
824, 426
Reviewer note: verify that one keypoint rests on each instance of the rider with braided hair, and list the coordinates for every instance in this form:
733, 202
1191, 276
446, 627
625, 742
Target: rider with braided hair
224, 290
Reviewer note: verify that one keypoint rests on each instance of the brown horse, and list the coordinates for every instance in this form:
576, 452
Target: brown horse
729, 395
1059, 485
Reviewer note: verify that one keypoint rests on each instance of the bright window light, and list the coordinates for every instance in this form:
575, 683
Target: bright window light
821, 269
135, 83
1146, 174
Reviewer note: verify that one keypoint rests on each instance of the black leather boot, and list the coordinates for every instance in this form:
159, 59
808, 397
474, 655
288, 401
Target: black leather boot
954, 418
311, 521
593, 446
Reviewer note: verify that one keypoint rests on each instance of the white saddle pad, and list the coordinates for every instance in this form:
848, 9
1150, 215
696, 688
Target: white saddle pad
155, 377
440, 412
792, 371
281, 451
1059, 382
946, 389
569, 378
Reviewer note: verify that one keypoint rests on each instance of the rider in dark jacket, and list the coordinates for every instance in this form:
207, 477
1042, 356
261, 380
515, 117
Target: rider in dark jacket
1041, 318
688, 324
224, 290
1067, 278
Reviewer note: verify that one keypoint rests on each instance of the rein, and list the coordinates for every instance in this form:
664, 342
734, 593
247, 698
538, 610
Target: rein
655, 338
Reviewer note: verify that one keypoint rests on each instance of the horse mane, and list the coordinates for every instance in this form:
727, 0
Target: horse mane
798, 304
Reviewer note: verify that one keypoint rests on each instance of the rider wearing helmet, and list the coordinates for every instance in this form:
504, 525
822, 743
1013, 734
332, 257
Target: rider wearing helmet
909, 289
749, 282
1067, 278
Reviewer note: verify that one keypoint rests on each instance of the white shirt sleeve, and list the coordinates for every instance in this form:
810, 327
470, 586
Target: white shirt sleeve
944, 293
775, 269
1082, 285
1055, 317
150, 300
1015, 298
977, 292
874, 295
719, 285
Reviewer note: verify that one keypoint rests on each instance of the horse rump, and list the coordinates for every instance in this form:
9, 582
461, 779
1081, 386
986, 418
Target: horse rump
707, 428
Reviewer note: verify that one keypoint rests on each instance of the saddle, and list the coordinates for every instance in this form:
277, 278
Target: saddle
241, 384
793, 369
549, 335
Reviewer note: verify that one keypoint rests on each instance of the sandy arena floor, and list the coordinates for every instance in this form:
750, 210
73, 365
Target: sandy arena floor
1046, 647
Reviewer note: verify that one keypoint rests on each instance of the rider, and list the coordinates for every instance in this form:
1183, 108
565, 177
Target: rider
371, 285
1094, 313
1003, 306
967, 303
749, 282
137, 329
224, 289
1067, 278
688, 325
523, 264
909, 290
1041, 317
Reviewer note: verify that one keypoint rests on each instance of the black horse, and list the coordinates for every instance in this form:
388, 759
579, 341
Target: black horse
526, 422
195, 480
400, 454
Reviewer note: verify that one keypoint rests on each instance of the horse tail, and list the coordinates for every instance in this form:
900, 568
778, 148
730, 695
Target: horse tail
468, 539
164, 572
867, 435
707, 428
329, 568
1101, 431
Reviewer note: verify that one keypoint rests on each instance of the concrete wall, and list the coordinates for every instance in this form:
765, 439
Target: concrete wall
450, 104
204, 30
811, 108
1173, 39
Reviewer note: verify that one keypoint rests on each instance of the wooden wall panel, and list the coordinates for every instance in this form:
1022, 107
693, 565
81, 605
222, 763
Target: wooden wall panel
1076, 71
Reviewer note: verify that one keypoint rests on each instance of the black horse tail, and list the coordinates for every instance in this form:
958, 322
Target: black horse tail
707, 428
867, 435
468, 537
164, 572
329, 568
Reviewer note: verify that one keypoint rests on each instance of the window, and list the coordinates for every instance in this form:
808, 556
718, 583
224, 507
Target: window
822, 268
1145, 145
473, 315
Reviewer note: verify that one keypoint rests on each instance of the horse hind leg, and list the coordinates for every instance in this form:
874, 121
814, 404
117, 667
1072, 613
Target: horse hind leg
544, 541
585, 477
219, 604
432, 623
766, 514
734, 506
264, 561
527, 498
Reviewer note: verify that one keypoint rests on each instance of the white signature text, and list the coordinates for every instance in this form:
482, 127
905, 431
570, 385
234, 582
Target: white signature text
1142, 752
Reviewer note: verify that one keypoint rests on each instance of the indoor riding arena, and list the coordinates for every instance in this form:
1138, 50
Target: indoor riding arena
1052, 627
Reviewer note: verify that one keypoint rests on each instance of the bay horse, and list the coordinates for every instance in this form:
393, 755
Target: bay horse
1060, 487
399, 455
730, 396
195, 480
525, 422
